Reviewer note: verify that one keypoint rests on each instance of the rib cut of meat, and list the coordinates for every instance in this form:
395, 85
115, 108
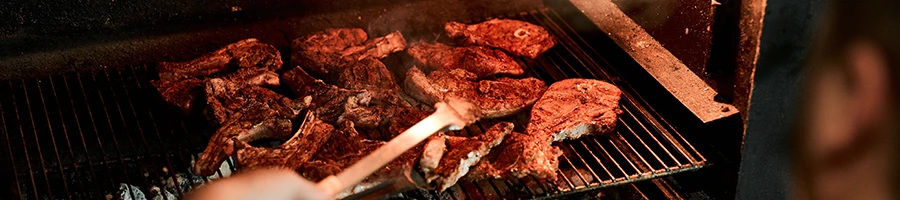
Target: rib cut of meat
226, 98
328, 52
326, 101
247, 61
391, 114
572, 108
245, 113
482, 61
186, 94
518, 156
516, 37
295, 152
247, 128
494, 98
461, 154
248, 53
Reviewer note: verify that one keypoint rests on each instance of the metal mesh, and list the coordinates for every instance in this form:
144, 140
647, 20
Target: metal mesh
81, 135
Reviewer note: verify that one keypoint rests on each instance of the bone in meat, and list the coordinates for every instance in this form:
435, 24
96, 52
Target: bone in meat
461, 154
518, 156
327, 101
248, 53
296, 151
328, 52
575, 107
514, 36
482, 61
494, 98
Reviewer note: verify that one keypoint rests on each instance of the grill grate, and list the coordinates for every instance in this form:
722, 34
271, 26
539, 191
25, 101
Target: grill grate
81, 135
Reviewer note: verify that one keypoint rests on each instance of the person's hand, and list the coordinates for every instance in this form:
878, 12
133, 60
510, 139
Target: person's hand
274, 184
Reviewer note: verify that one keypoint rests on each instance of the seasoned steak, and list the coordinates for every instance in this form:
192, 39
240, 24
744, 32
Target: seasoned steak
495, 98
483, 62
461, 154
513, 36
326, 101
258, 123
572, 108
295, 152
391, 115
248, 53
186, 94
226, 98
518, 156
330, 51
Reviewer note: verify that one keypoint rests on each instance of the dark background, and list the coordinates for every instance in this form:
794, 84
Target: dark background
784, 45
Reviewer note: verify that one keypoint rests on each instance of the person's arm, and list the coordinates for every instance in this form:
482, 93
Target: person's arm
274, 184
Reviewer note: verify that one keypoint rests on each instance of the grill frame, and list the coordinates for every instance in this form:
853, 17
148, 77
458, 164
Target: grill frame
552, 67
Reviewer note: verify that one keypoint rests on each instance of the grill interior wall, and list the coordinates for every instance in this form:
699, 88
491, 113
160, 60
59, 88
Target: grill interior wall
79, 135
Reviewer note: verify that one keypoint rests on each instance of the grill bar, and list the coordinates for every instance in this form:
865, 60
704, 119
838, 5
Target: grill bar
53, 138
643, 146
81, 134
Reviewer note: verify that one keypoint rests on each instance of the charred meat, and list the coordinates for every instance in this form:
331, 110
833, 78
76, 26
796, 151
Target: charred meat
494, 98
226, 98
327, 101
328, 52
482, 61
293, 154
249, 53
256, 125
518, 156
572, 108
461, 153
186, 94
516, 37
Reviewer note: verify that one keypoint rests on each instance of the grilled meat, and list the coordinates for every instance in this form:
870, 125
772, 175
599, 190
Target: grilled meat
248, 53
518, 156
186, 94
516, 37
246, 113
461, 154
572, 108
255, 76
295, 152
256, 124
495, 98
484, 62
327, 101
328, 52
226, 98
368, 74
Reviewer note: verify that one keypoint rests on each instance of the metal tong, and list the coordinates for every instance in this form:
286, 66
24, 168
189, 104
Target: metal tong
453, 114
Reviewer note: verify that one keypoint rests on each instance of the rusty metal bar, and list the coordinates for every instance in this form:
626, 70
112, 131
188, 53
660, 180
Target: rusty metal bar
59, 162
80, 132
111, 129
22, 133
9, 148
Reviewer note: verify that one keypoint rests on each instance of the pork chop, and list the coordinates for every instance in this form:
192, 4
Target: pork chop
494, 98
573, 108
293, 153
482, 61
519, 155
513, 36
461, 154
248, 53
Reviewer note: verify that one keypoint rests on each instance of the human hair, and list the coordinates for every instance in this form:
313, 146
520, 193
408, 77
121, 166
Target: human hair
846, 23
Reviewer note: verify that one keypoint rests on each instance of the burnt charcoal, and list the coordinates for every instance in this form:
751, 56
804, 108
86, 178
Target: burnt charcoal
494, 98
482, 61
573, 108
513, 36
248, 53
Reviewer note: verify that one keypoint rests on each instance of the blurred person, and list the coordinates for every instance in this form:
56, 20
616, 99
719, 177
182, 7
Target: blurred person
846, 138
263, 184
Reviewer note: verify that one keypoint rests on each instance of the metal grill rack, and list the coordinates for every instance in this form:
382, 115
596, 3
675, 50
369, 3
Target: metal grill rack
81, 135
